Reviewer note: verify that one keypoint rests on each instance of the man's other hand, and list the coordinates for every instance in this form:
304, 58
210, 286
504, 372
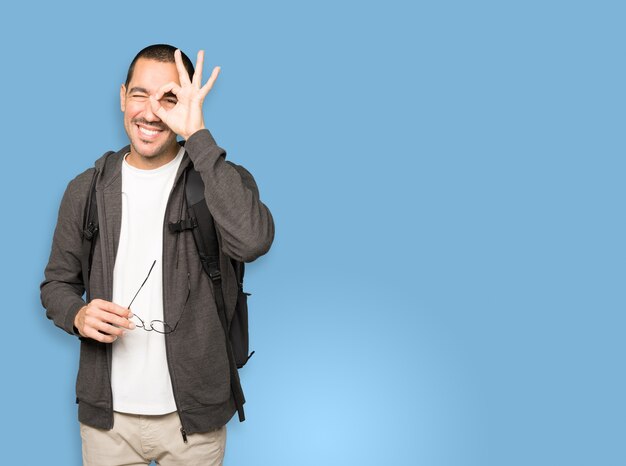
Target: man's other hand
103, 321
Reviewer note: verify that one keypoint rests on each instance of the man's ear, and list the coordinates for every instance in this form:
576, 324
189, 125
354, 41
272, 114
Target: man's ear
123, 98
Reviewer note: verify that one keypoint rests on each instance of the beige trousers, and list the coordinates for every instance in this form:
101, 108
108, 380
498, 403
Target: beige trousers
137, 440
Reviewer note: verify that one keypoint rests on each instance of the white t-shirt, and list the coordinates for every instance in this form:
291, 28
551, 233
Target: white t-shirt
140, 378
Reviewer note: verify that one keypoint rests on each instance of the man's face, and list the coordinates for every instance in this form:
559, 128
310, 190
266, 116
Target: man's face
150, 138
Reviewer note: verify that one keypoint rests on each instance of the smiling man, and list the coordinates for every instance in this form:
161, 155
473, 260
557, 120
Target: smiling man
153, 383
152, 142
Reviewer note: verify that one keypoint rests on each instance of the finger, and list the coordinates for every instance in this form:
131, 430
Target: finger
101, 337
98, 318
104, 324
197, 76
114, 319
108, 329
183, 76
209, 84
158, 109
165, 88
111, 307
93, 333
105, 338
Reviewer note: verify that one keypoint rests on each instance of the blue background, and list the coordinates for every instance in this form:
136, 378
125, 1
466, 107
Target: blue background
446, 282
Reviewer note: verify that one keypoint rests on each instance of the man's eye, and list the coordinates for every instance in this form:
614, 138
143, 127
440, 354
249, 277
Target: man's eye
139, 96
171, 101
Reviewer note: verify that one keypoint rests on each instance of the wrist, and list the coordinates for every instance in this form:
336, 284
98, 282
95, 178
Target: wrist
192, 132
77, 319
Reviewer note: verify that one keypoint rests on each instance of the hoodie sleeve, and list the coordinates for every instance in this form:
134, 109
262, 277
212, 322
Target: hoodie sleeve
62, 288
244, 223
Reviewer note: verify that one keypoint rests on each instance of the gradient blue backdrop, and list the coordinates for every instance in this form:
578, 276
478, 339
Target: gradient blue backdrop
446, 283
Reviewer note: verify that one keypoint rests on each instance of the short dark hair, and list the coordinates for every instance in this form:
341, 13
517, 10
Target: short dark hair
159, 52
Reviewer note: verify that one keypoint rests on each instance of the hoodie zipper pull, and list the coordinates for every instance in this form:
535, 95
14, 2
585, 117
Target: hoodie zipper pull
182, 431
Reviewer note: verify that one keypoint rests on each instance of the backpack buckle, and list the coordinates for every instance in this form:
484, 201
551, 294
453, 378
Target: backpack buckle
181, 225
91, 231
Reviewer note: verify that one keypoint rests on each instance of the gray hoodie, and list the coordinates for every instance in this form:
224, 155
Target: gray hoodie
196, 351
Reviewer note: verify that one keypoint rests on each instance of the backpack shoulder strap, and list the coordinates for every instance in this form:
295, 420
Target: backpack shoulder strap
205, 237
90, 231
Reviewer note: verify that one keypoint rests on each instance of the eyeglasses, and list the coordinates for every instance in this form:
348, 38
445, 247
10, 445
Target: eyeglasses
156, 325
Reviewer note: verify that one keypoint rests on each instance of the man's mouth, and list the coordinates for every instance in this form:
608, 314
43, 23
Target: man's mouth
149, 131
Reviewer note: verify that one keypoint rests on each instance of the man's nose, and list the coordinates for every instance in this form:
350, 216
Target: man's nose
148, 113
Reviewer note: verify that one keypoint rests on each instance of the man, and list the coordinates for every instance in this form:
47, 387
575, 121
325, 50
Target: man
153, 382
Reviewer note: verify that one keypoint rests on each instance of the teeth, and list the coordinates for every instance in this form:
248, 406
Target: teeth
147, 132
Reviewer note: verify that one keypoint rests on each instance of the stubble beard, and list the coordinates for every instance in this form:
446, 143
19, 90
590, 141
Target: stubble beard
163, 149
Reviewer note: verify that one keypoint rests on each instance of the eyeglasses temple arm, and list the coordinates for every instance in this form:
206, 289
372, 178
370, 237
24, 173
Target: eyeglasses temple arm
144, 282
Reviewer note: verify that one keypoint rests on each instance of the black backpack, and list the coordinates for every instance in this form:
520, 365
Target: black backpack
200, 222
